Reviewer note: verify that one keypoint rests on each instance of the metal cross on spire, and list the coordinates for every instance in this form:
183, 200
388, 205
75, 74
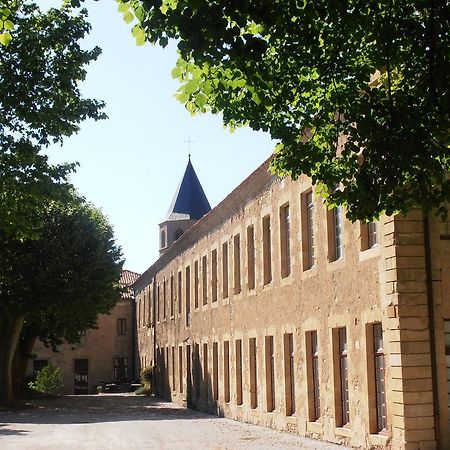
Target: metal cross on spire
189, 142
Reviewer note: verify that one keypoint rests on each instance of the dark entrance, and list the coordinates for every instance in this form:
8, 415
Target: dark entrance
80, 373
120, 370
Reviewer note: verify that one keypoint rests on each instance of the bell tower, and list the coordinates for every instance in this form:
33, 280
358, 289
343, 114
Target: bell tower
188, 206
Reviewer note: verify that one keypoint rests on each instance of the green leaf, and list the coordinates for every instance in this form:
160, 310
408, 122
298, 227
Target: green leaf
5, 38
123, 7
176, 72
8, 25
128, 17
138, 34
256, 99
201, 100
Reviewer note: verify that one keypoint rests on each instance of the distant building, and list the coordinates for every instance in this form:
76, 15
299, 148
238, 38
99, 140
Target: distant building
105, 354
273, 310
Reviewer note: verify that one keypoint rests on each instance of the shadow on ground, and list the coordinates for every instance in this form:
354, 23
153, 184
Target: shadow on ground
98, 408
5, 431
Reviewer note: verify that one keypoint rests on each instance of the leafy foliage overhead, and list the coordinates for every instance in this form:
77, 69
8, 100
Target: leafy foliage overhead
40, 103
355, 92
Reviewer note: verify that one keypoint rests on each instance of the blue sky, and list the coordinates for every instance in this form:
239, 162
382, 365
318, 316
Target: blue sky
131, 164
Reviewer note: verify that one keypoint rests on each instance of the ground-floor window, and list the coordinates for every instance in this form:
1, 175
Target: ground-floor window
120, 370
38, 365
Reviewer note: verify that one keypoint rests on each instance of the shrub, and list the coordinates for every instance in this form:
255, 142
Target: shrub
143, 390
147, 376
48, 380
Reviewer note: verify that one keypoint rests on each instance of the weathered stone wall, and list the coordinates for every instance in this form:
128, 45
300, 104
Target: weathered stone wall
344, 293
385, 284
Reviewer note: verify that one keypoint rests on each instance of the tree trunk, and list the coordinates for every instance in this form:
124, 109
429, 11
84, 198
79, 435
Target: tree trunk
21, 359
9, 338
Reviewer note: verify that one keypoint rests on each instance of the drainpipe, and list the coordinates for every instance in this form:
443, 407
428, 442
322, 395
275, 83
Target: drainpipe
430, 304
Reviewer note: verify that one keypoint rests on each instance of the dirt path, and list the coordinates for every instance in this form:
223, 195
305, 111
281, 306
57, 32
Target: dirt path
126, 421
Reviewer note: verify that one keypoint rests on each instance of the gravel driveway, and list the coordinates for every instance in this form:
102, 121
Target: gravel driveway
126, 421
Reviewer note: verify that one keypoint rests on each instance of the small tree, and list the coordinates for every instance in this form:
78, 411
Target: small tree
48, 380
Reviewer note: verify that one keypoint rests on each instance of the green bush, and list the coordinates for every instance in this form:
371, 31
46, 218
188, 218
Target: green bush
48, 380
142, 391
147, 376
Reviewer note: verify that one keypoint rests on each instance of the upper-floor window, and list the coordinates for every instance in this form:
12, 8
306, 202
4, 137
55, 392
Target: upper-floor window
369, 235
285, 240
178, 233
214, 275
237, 263
308, 249
121, 326
335, 234
267, 250
251, 257
205, 279
225, 270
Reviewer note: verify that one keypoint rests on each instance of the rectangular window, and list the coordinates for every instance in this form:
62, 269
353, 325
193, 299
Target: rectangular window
120, 370
180, 291
172, 295
215, 371
270, 373
226, 370
341, 376
380, 373
251, 257
369, 235
144, 304
164, 298
335, 234
253, 373
238, 372
196, 284
285, 241
205, 279
138, 311
237, 263
38, 365
214, 275
150, 304
205, 368
267, 250
187, 285
180, 368
173, 369
225, 270
188, 369
312, 365
308, 230
159, 301
289, 373
197, 369
121, 327
167, 367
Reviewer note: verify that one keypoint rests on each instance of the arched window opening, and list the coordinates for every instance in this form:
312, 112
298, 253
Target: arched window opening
163, 239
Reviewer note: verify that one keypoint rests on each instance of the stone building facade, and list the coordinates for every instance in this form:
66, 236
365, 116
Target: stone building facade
105, 354
273, 310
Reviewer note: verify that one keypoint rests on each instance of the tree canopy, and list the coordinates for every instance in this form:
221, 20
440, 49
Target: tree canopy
55, 286
356, 93
40, 103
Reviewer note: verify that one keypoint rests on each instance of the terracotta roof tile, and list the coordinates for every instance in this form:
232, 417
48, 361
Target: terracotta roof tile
127, 278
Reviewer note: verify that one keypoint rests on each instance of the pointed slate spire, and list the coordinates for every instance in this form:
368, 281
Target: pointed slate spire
190, 201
